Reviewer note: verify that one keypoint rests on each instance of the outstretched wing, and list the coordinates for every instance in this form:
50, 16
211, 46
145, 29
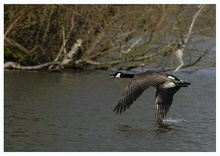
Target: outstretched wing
163, 101
137, 86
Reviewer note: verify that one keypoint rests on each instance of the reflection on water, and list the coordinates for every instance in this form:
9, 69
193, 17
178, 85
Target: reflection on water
130, 129
73, 111
163, 128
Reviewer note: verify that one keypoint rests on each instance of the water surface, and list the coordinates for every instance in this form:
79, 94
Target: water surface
73, 111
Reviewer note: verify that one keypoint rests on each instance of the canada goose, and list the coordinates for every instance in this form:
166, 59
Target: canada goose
167, 85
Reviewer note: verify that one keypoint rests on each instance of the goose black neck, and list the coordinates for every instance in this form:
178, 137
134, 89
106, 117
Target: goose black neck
127, 75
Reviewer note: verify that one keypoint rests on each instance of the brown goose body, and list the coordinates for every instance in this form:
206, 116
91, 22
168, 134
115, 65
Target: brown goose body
167, 85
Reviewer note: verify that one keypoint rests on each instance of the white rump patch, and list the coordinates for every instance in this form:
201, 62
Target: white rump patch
171, 77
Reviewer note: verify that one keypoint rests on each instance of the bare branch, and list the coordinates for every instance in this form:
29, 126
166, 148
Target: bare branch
179, 55
193, 21
19, 16
69, 56
179, 52
15, 44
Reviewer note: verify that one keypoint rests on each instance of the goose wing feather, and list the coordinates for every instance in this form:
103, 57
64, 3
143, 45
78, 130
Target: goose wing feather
137, 86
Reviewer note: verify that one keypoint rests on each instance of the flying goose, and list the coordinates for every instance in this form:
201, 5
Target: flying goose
166, 84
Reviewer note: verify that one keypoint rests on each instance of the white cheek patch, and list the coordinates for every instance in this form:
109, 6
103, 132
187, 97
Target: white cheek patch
118, 75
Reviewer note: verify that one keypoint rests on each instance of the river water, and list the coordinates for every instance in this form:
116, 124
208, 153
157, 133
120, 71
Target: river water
73, 111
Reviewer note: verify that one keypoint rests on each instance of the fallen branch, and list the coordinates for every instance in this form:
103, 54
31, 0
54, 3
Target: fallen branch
13, 65
67, 58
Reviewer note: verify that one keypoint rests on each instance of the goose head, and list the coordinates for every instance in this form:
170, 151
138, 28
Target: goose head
116, 75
